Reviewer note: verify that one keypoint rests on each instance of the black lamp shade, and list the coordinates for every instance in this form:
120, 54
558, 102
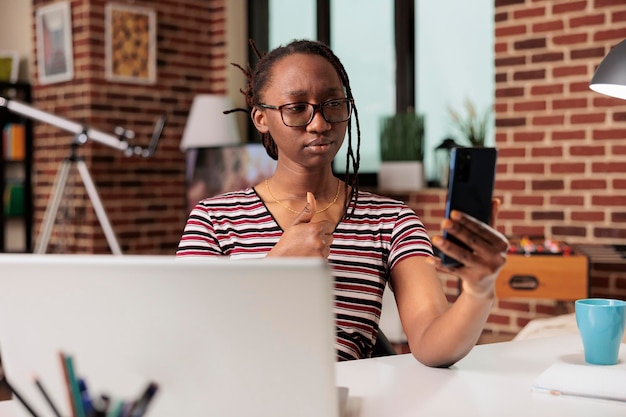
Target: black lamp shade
610, 77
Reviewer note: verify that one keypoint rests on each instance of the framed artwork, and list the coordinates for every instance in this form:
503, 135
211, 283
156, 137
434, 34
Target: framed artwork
130, 44
55, 56
9, 66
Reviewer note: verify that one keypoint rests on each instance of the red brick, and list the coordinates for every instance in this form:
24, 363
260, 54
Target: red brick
500, 319
569, 6
619, 184
609, 134
528, 230
618, 217
530, 44
510, 185
605, 101
528, 136
587, 216
577, 87
547, 89
618, 16
528, 168
567, 168
588, 20
570, 39
547, 120
609, 233
552, 26
587, 53
529, 12
580, 150
547, 57
514, 306
538, 185
589, 184
588, 118
502, 32
510, 92
511, 215
552, 151
526, 200
564, 200
547, 215
609, 200
608, 167
569, 103
570, 71
529, 106
511, 152
615, 34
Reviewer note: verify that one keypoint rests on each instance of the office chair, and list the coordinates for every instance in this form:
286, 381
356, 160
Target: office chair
383, 346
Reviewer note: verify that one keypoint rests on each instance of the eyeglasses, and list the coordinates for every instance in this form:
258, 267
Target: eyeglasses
301, 114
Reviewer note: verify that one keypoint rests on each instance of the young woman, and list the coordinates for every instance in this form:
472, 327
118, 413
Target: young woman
301, 104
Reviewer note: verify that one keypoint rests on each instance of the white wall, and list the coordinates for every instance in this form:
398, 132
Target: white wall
16, 33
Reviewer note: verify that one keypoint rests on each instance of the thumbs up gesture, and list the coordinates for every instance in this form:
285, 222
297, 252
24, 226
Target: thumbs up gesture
304, 237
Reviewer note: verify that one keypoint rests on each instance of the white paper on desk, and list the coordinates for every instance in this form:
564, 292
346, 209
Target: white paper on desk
595, 381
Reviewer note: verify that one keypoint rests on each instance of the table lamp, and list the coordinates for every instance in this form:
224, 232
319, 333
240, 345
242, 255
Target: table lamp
610, 77
207, 127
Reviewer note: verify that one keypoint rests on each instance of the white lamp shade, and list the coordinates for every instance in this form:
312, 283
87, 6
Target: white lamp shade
610, 77
207, 126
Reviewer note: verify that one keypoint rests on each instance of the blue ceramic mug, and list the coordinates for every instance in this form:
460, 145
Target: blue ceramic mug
601, 325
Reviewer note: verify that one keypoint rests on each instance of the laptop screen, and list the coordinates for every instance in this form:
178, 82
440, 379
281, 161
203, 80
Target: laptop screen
219, 337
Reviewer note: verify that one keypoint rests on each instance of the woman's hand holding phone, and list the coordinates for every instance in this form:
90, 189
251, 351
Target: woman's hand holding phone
470, 247
482, 257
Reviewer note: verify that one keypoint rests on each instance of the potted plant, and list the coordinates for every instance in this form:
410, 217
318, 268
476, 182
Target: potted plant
473, 127
402, 152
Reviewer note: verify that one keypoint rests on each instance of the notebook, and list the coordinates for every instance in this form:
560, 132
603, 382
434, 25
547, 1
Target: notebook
575, 377
219, 337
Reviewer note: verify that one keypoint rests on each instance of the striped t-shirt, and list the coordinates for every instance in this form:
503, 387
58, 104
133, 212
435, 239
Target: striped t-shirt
366, 246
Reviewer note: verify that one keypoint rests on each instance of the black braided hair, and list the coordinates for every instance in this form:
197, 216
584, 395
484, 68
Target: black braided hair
259, 77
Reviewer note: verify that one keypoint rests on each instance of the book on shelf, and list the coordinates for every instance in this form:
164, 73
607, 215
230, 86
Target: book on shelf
13, 198
14, 142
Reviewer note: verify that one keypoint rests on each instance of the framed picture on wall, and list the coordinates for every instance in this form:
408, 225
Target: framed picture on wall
130, 44
9, 66
55, 56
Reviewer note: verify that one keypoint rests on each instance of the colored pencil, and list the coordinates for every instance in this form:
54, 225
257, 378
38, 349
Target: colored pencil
46, 396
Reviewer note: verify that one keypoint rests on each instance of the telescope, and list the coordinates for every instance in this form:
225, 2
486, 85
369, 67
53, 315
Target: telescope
120, 141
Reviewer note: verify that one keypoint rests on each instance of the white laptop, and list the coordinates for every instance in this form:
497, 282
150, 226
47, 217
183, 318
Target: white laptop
221, 338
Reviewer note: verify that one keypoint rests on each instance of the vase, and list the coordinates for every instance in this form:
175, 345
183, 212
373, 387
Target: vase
401, 176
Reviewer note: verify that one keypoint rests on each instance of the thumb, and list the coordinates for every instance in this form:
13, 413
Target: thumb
308, 211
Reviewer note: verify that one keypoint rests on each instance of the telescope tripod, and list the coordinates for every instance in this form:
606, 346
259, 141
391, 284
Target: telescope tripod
60, 184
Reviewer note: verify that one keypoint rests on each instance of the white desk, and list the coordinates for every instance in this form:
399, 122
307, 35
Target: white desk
493, 380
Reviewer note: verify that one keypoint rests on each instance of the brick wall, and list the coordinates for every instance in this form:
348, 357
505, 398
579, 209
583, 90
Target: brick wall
562, 170
144, 198
562, 147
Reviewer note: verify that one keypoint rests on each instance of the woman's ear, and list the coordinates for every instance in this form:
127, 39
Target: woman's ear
259, 118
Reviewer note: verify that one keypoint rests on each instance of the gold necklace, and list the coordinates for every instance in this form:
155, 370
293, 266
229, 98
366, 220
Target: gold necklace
267, 186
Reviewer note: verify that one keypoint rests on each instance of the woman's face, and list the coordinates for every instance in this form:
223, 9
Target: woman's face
309, 79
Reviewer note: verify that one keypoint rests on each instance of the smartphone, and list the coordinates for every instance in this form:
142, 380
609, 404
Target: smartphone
470, 188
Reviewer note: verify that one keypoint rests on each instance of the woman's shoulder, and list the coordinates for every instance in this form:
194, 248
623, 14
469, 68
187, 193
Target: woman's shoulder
371, 198
243, 196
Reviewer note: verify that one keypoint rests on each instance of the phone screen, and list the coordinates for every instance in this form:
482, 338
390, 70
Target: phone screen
470, 187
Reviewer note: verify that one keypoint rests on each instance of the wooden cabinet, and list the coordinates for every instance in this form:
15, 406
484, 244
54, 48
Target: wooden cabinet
16, 205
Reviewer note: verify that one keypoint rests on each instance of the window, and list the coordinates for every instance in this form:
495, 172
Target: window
407, 53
